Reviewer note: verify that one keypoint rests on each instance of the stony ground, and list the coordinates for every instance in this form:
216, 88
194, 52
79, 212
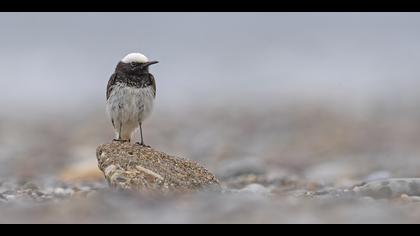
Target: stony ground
271, 201
295, 164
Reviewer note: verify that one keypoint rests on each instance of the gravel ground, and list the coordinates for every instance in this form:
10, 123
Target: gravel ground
297, 164
275, 201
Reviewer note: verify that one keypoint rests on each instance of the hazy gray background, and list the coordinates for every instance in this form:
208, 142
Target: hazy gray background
287, 102
65, 59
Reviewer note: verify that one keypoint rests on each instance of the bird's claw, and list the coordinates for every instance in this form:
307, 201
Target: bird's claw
142, 144
120, 140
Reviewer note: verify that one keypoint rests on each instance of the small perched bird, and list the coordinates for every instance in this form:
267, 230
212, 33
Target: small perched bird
130, 95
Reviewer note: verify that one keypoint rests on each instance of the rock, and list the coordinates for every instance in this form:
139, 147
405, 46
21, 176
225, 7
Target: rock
2, 198
81, 171
241, 166
408, 199
379, 175
63, 192
334, 172
135, 167
389, 188
82, 167
255, 189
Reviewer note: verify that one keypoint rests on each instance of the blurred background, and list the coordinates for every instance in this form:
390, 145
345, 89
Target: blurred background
328, 99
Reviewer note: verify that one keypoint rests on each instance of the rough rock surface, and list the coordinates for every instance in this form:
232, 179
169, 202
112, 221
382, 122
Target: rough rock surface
135, 167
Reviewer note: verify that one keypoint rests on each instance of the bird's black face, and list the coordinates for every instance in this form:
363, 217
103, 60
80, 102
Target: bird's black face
134, 68
138, 68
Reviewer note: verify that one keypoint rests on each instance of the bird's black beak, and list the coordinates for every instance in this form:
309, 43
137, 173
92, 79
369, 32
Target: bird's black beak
150, 63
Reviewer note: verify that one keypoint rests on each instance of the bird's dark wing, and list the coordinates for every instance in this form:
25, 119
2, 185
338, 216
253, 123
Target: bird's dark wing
152, 80
111, 82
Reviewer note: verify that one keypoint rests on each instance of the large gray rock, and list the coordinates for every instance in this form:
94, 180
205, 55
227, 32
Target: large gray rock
135, 167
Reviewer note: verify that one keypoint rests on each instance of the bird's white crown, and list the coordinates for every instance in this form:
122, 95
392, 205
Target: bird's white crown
135, 57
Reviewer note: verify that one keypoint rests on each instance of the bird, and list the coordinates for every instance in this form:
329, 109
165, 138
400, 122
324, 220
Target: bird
130, 96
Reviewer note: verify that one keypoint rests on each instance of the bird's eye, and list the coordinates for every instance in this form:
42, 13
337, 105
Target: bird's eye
133, 64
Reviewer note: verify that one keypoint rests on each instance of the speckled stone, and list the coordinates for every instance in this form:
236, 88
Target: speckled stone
134, 167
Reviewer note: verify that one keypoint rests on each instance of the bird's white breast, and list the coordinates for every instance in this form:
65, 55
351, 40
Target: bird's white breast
129, 104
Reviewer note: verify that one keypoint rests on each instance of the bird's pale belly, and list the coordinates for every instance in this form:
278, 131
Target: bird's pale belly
129, 106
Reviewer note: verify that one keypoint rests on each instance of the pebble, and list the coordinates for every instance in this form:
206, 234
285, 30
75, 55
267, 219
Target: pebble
331, 172
28, 191
389, 188
406, 198
244, 166
378, 175
63, 192
255, 189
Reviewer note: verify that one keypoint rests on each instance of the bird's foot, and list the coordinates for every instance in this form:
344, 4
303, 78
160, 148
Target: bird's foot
121, 140
142, 144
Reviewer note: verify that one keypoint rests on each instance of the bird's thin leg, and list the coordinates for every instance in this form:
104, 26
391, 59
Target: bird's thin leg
119, 134
113, 125
119, 138
141, 136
